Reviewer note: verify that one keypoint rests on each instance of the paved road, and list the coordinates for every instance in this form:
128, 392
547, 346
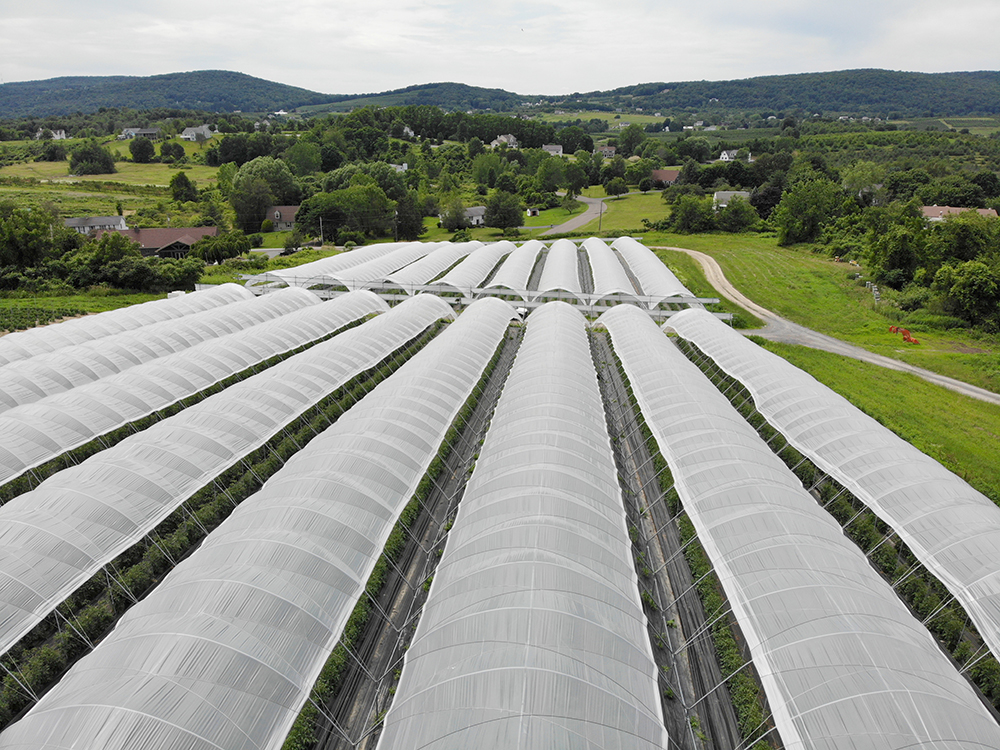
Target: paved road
593, 211
785, 331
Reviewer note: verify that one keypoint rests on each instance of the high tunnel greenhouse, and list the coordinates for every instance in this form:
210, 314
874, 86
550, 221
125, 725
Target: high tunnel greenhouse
455, 495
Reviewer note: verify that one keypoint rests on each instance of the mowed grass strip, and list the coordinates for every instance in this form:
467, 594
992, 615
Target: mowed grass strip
961, 433
625, 213
815, 291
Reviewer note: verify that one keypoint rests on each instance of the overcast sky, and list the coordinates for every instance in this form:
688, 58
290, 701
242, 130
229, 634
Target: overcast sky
538, 47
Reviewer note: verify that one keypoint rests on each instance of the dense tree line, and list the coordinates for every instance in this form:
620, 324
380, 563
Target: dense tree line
212, 90
38, 253
867, 91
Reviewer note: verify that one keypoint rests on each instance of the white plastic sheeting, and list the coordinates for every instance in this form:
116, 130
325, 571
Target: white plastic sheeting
33, 379
35, 433
560, 272
474, 270
654, 277
316, 272
57, 536
374, 270
223, 654
609, 276
515, 273
843, 662
24, 344
440, 257
950, 527
533, 634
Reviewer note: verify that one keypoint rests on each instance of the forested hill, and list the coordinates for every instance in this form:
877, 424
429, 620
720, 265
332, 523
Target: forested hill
871, 92
206, 90
875, 92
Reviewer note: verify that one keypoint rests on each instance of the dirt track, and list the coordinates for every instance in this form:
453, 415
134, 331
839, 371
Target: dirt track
787, 332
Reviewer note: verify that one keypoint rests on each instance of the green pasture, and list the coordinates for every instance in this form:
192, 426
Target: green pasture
127, 174
960, 432
96, 300
812, 290
76, 200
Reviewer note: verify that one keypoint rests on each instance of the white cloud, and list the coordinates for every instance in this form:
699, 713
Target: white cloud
545, 47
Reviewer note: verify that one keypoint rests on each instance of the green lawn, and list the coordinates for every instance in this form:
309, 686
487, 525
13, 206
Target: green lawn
552, 216
811, 289
960, 432
625, 213
434, 233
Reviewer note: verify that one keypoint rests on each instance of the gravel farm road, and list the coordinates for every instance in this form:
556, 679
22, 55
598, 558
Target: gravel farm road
787, 332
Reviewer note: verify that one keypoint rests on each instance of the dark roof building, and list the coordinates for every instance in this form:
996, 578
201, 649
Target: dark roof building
167, 242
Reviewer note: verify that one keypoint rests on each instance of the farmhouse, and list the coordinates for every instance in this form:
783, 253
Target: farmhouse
476, 216
88, 224
283, 217
608, 152
553, 148
166, 242
663, 177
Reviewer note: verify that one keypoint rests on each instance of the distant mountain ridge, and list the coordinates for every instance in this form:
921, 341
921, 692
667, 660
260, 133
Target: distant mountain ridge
866, 91
206, 90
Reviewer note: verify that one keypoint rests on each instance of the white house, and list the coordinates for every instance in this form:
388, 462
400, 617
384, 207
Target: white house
200, 133
57, 135
476, 216
553, 148
88, 224
507, 140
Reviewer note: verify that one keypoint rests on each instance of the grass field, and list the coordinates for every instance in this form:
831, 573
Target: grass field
625, 213
76, 200
127, 174
960, 432
975, 125
813, 290
96, 301
434, 233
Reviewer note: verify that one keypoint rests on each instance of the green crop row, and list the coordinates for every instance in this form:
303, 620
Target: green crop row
22, 318
918, 588
303, 734
42, 656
